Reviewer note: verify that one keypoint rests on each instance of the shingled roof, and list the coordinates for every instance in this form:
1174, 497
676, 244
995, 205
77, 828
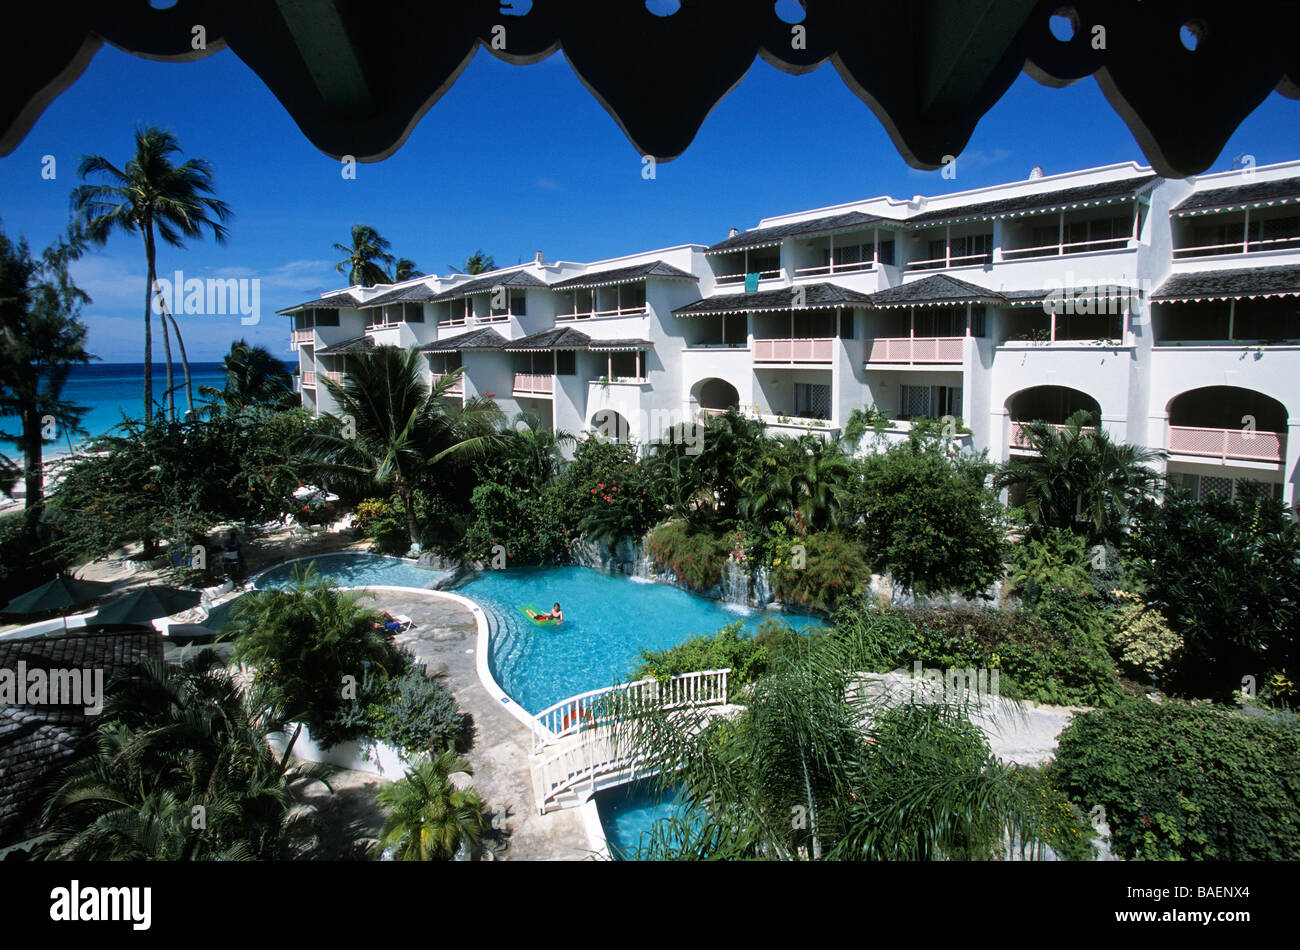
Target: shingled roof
556, 338
816, 297
624, 275
484, 284
36, 741
774, 235
937, 290
1237, 197
416, 293
484, 338
341, 301
1062, 199
1230, 284
355, 345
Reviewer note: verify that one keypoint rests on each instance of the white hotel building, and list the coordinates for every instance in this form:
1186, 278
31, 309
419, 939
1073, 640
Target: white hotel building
946, 305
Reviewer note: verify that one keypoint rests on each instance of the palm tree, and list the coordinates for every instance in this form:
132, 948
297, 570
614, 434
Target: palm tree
402, 427
429, 819
476, 263
405, 269
150, 194
800, 480
366, 259
253, 378
1081, 478
536, 452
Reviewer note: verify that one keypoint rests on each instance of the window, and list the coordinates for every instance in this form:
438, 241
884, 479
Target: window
846, 324
967, 248
887, 252
414, 312
327, 318
631, 297
1203, 486
978, 325
518, 303
812, 400
565, 363
932, 402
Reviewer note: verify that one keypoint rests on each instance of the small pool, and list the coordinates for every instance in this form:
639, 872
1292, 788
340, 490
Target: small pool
629, 812
356, 569
608, 620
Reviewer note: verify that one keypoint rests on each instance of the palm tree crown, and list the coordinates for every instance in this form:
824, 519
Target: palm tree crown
367, 259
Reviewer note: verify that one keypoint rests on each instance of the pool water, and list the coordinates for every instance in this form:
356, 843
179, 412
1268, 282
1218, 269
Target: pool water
358, 569
629, 812
608, 620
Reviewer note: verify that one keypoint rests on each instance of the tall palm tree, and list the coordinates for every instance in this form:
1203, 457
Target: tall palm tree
402, 427
405, 269
155, 198
476, 263
800, 480
429, 819
366, 260
535, 451
1081, 478
253, 378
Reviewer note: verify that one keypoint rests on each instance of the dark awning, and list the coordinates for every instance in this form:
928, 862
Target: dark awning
557, 338
815, 297
355, 345
416, 293
774, 235
624, 275
484, 338
616, 346
1238, 197
332, 302
1230, 285
938, 290
1062, 199
485, 284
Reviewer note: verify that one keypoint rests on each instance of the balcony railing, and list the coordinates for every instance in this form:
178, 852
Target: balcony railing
828, 269
1245, 246
456, 389
1020, 441
598, 314
1065, 247
984, 257
531, 384
807, 350
1223, 444
473, 321
918, 349
335, 374
740, 278
308, 379
300, 337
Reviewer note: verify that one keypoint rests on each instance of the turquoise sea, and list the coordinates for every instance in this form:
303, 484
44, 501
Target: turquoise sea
110, 389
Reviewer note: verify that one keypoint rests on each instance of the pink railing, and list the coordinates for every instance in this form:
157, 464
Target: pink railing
818, 350
920, 349
308, 378
1019, 440
1223, 444
534, 384
334, 374
298, 337
457, 388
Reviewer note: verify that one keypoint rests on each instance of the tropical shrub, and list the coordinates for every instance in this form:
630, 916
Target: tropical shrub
830, 568
695, 556
1191, 782
930, 521
429, 819
606, 495
1051, 816
1057, 560
725, 648
384, 524
416, 714
1142, 642
527, 525
1226, 575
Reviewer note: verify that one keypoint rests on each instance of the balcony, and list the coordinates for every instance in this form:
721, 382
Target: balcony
917, 349
1062, 248
828, 270
807, 350
308, 379
457, 388
301, 338
940, 263
722, 279
1247, 445
532, 384
1021, 443
334, 374
601, 314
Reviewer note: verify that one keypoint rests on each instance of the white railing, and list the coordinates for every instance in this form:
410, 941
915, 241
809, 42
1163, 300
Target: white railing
826, 269
598, 314
1062, 248
938, 262
1239, 247
586, 711
456, 389
811, 350
309, 378
740, 278
1244, 444
596, 755
918, 349
1020, 441
533, 384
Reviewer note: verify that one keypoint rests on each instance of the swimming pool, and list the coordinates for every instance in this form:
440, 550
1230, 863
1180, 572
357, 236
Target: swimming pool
629, 812
608, 620
354, 569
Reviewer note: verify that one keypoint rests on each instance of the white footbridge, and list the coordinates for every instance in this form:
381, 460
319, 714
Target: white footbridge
574, 751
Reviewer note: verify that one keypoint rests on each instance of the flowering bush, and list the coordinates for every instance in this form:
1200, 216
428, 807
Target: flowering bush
1142, 641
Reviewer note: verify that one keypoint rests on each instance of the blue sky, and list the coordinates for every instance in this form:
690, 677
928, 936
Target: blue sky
512, 160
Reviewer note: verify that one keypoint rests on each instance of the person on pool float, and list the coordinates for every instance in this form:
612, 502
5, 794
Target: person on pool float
555, 614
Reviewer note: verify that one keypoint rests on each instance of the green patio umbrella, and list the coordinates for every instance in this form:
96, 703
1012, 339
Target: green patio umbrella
141, 606
61, 594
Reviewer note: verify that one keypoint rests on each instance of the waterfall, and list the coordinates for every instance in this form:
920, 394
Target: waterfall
763, 592
735, 584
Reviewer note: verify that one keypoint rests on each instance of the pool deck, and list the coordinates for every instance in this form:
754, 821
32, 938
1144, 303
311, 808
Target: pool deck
444, 639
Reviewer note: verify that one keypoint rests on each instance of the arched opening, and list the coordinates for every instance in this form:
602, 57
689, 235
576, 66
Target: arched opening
611, 426
714, 396
1051, 404
1227, 422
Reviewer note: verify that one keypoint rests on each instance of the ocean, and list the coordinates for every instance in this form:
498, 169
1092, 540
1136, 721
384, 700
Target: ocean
111, 389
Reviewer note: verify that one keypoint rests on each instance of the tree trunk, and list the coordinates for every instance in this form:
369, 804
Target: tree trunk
148, 330
169, 394
185, 363
34, 474
408, 502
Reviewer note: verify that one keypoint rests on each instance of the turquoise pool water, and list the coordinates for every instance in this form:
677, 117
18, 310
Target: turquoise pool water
608, 620
357, 569
629, 812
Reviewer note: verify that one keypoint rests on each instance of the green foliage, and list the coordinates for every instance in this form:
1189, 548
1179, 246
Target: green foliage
928, 520
1196, 782
527, 525
304, 641
26, 557
606, 495
1142, 641
254, 378
382, 522
415, 714
1055, 561
800, 481
834, 568
1052, 817
699, 479
695, 555
726, 648
861, 421
429, 819
1226, 575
